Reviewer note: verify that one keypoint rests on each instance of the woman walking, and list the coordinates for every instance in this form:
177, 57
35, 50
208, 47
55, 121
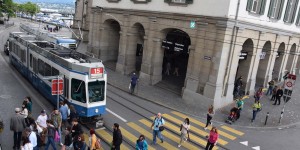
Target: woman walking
141, 143
80, 144
26, 144
210, 114
258, 94
256, 108
185, 127
212, 139
51, 134
92, 140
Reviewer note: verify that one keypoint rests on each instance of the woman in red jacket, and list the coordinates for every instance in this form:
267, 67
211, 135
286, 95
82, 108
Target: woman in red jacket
212, 139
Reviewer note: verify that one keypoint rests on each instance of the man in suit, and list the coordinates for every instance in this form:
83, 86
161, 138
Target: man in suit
17, 125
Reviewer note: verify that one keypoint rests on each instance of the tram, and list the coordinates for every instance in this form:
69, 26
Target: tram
85, 78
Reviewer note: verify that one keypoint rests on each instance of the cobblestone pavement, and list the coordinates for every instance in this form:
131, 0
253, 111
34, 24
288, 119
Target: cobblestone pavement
198, 108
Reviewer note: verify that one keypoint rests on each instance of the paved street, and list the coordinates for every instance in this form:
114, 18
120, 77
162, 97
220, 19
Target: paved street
135, 112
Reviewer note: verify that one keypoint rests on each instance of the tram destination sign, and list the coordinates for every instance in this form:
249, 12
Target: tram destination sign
96, 72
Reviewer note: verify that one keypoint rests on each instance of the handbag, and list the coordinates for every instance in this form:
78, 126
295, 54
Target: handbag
57, 137
180, 127
39, 129
161, 128
98, 144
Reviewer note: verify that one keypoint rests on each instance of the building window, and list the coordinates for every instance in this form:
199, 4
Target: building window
179, 1
290, 11
141, 1
256, 6
298, 18
275, 9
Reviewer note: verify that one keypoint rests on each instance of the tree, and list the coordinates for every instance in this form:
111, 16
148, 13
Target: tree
30, 8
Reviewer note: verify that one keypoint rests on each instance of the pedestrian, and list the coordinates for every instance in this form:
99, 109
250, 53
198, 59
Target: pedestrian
80, 144
141, 143
92, 140
256, 108
32, 138
42, 123
176, 69
34, 128
17, 125
168, 68
158, 124
117, 137
68, 139
50, 135
28, 103
274, 91
212, 139
56, 119
76, 130
64, 113
133, 82
258, 94
73, 114
239, 105
209, 116
27, 145
271, 87
237, 86
184, 128
24, 113
66, 103
279, 94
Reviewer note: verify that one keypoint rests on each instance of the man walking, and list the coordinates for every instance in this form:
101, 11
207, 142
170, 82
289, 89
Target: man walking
117, 137
271, 86
158, 124
64, 113
279, 94
56, 119
256, 108
17, 125
133, 82
41, 121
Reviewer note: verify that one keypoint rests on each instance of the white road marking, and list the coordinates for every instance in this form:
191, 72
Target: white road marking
124, 120
256, 147
244, 143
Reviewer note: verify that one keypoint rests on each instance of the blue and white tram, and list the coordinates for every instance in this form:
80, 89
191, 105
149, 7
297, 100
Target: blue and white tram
85, 79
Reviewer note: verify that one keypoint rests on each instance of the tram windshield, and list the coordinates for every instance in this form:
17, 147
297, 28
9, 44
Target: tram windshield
96, 91
78, 90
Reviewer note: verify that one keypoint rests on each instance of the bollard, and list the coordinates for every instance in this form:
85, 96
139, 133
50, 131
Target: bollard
267, 118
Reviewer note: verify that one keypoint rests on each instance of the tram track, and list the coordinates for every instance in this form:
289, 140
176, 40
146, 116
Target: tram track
154, 113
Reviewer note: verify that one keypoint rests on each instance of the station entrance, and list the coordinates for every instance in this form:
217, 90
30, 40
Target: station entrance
175, 60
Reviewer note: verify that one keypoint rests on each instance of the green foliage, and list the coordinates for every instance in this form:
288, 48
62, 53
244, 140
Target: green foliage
9, 7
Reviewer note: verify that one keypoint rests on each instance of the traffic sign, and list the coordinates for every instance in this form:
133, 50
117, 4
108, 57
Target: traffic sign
57, 88
289, 83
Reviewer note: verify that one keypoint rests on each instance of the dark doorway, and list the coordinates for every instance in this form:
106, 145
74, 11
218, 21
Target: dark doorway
175, 60
139, 57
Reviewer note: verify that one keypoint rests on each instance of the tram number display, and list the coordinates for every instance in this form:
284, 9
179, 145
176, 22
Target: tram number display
96, 73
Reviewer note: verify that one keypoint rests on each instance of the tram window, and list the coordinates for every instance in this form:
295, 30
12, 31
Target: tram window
41, 67
54, 72
35, 68
78, 90
23, 56
30, 60
96, 91
47, 69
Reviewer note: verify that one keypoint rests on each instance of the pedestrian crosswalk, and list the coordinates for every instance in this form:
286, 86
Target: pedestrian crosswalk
132, 130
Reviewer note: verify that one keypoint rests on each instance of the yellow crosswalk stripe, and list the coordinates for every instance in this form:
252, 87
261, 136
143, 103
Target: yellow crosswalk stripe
232, 130
177, 121
203, 125
170, 135
108, 138
149, 135
132, 138
192, 136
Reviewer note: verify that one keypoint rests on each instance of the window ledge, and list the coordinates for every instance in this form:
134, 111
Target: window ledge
141, 2
113, 1
178, 4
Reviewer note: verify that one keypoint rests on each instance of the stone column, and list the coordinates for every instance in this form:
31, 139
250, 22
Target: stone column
123, 46
149, 47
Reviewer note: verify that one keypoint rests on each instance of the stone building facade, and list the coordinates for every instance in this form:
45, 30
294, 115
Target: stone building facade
253, 39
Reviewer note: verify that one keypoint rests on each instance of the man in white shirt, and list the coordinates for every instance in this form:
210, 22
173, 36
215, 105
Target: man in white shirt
41, 122
32, 138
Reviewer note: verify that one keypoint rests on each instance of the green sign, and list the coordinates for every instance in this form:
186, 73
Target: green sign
192, 24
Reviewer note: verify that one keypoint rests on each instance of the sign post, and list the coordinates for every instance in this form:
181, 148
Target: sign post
57, 88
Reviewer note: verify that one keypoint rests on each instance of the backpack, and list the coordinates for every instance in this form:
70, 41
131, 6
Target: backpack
98, 144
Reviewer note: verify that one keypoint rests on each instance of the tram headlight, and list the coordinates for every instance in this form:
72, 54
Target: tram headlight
96, 110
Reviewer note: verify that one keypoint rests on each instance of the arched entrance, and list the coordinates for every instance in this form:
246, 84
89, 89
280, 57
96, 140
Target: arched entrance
264, 58
244, 64
289, 65
278, 62
175, 60
136, 46
109, 44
